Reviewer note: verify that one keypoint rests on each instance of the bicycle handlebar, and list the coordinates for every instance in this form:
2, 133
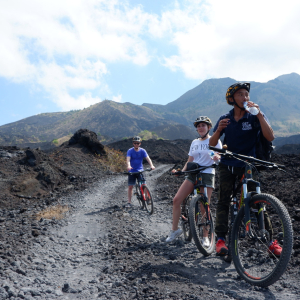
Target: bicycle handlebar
247, 158
195, 171
136, 173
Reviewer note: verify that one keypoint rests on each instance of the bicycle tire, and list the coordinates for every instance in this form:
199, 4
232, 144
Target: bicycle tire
148, 201
252, 260
198, 225
228, 257
139, 196
185, 223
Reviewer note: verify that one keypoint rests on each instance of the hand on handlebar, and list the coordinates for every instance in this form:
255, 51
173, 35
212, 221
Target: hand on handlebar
176, 172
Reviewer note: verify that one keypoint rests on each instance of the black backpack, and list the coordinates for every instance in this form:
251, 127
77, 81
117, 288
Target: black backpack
263, 147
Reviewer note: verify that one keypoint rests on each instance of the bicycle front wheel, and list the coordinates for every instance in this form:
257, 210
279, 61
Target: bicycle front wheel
148, 201
139, 195
202, 227
185, 223
251, 255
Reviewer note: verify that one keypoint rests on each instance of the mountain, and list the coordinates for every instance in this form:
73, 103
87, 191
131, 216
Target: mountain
106, 118
293, 139
278, 98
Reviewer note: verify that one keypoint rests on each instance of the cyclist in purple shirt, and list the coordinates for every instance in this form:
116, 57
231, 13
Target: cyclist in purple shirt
134, 158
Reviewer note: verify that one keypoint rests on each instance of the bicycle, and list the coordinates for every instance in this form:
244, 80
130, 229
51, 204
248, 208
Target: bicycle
257, 219
185, 224
199, 222
142, 192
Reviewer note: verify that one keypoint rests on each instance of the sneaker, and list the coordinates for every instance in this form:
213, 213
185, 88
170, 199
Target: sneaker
205, 242
275, 248
173, 235
128, 205
221, 248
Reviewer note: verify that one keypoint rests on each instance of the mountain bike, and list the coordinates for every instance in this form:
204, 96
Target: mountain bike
197, 219
185, 223
185, 205
257, 219
142, 192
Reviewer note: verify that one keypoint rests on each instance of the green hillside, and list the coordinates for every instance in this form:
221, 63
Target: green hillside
278, 98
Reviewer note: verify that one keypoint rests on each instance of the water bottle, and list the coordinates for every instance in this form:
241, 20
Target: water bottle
212, 153
252, 110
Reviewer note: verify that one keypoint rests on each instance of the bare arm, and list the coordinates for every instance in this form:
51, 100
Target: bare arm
190, 159
128, 163
266, 128
150, 162
213, 141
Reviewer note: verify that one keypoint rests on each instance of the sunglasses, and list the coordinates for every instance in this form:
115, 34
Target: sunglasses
136, 143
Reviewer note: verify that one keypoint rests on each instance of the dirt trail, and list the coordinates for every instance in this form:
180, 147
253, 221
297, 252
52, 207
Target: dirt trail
103, 251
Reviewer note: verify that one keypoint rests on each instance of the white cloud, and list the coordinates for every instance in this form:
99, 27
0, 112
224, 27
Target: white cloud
244, 40
66, 47
117, 98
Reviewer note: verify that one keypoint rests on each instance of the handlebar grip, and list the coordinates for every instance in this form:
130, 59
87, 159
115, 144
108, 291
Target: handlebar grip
177, 173
217, 149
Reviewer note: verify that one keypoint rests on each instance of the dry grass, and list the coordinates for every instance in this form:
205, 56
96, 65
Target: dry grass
115, 160
57, 212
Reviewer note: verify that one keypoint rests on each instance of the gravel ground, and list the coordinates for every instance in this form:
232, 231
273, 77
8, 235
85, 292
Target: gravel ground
103, 251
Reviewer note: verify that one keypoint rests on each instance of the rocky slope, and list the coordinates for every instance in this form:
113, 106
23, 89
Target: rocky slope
100, 250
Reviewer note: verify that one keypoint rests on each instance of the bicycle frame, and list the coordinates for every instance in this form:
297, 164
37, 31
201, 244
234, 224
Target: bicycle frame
140, 185
196, 190
245, 195
203, 199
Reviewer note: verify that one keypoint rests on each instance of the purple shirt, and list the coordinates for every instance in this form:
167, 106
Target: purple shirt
136, 159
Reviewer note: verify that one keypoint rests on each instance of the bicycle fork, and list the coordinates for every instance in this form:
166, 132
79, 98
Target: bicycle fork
205, 204
259, 210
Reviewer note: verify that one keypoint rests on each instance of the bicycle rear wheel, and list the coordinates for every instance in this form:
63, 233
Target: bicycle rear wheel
250, 252
148, 201
185, 223
139, 195
202, 226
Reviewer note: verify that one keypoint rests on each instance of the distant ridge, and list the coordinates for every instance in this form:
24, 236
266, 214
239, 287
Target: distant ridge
278, 98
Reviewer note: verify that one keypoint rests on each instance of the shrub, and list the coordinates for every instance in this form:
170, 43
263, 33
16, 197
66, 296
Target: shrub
147, 135
57, 212
114, 161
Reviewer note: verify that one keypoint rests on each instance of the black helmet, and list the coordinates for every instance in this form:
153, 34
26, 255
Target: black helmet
203, 119
235, 87
137, 139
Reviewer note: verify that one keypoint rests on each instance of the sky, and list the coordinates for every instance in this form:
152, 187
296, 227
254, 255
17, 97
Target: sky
67, 55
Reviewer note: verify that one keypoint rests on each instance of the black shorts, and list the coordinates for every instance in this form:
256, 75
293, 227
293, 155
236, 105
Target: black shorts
133, 177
